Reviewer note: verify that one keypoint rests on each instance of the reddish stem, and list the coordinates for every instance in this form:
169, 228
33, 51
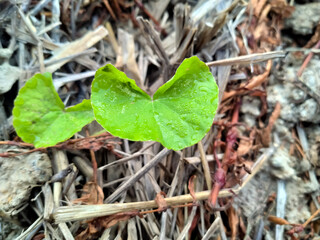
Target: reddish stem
307, 60
231, 137
161, 210
219, 181
221, 171
216, 156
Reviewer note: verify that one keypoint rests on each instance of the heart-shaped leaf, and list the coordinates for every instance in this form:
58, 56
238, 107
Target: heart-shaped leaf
39, 115
179, 114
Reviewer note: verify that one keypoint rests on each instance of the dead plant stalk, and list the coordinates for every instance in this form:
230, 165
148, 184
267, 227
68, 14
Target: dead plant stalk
80, 212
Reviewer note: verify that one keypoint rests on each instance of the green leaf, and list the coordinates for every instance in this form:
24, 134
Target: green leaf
179, 114
39, 115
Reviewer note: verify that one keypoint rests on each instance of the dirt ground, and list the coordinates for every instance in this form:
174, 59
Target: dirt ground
253, 176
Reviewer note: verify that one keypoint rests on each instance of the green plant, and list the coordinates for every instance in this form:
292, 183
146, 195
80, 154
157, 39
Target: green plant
39, 115
178, 115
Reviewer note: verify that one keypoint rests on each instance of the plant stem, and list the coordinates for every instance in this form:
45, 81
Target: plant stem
94, 166
221, 170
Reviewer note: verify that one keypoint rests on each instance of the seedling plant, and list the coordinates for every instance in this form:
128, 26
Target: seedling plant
178, 115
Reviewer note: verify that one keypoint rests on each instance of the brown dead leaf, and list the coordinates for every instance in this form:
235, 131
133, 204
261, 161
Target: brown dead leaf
296, 145
277, 220
264, 13
316, 224
233, 222
262, 30
91, 231
97, 225
241, 46
296, 229
39, 236
254, 82
112, 220
191, 188
90, 142
265, 133
242, 225
315, 38
258, 80
194, 224
245, 144
91, 194
161, 202
106, 3
257, 6
180, 219
240, 170
282, 8
84, 235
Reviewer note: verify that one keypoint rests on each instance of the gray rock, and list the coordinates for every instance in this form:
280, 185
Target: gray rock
282, 164
5, 53
18, 175
251, 199
304, 18
297, 210
298, 95
311, 75
8, 75
283, 129
308, 111
296, 104
282, 93
313, 135
250, 108
251, 105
